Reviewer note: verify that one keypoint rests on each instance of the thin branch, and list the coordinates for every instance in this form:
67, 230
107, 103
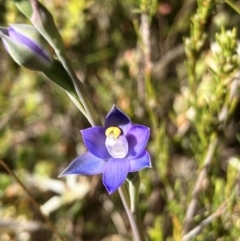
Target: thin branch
49, 223
146, 61
198, 185
205, 222
145, 31
233, 6
158, 69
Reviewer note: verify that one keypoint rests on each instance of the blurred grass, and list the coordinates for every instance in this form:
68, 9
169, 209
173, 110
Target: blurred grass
39, 126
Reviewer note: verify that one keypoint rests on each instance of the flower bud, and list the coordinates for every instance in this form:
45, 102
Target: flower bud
42, 20
27, 47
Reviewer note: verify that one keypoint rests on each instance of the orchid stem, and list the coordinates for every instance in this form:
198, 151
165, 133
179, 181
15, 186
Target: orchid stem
90, 111
130, 205
49, 223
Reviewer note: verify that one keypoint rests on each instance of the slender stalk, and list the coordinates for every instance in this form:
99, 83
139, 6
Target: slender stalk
49, 223
145, 35
198, 185
205, 222
91, 113
133, 220
134, 184
233, 6
78, 104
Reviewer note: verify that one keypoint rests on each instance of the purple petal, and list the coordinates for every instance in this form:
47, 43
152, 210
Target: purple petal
94, 138
14, 35
137, 138
117, 118
141, 162
86, 164
115, 174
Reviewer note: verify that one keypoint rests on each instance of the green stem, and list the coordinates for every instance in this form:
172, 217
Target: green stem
90, 110
130, 203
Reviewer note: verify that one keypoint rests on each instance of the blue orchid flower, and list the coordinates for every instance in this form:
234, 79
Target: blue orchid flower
113, 150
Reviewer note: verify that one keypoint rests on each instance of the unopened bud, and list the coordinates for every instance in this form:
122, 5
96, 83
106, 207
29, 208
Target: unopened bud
26, 46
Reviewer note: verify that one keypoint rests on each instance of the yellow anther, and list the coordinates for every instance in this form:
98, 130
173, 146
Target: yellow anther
109, 130
113, 131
